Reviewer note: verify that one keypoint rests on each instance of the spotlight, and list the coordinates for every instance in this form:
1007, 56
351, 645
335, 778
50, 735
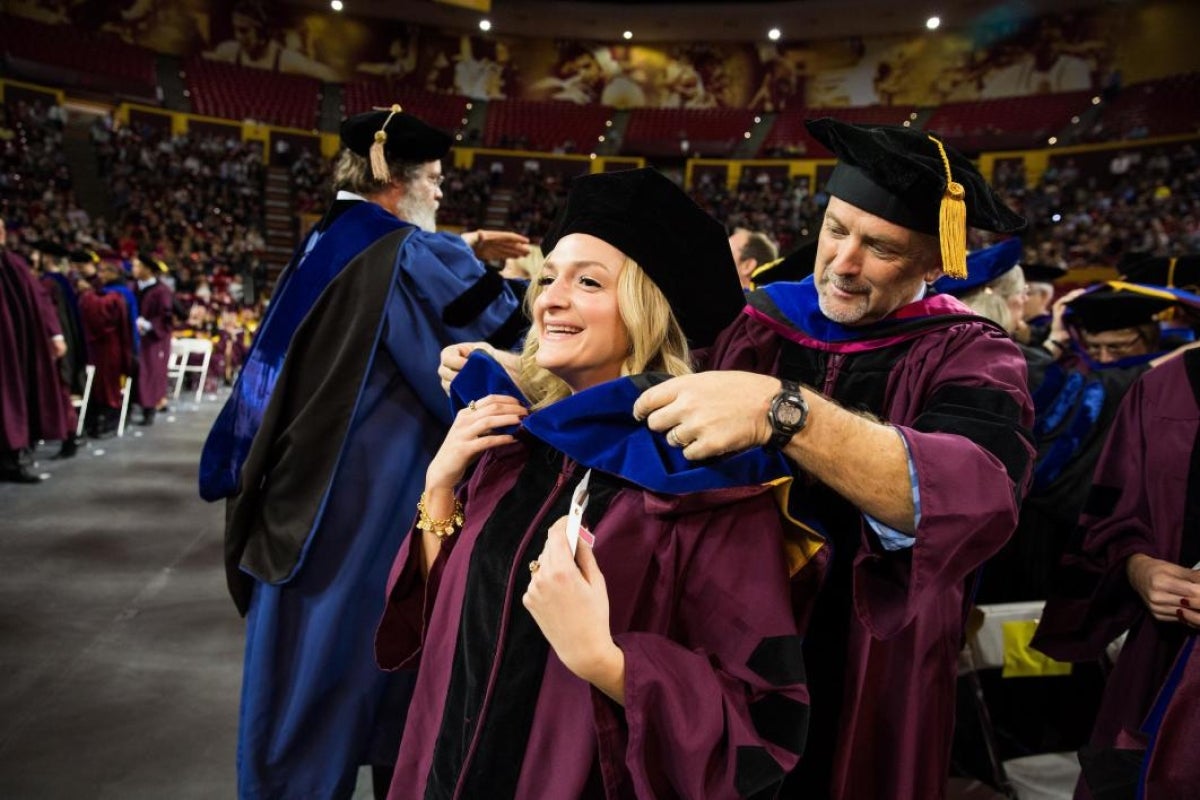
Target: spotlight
336, 5
933, 23
627, 35
774, 34
485, 25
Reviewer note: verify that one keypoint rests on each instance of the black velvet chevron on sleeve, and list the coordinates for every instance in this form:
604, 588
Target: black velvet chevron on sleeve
1101, 500
758, 775
781, 721
471, 303
988, 416
779, 660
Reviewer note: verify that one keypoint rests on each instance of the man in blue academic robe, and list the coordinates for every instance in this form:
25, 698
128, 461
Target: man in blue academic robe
322, 452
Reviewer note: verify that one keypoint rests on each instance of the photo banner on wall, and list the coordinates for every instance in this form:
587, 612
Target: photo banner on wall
1004, 51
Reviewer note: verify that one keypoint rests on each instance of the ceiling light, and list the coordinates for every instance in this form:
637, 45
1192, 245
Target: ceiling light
336, 5
627, 35
933, 23
485, 25
774, 34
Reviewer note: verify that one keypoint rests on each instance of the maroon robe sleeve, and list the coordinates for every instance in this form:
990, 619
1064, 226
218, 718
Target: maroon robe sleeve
961, 401
720, 709
1093, 602
48, 311
409, 604
1099, 602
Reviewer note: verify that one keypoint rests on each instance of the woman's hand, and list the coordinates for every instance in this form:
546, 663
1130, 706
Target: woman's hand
568, 599
1058, 329
455, 356
468, 438
1171, 592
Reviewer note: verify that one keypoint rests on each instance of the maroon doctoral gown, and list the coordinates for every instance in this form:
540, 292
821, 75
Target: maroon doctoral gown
715, 700
1145, 498
33, 402
882, 646
110, 343
155, 304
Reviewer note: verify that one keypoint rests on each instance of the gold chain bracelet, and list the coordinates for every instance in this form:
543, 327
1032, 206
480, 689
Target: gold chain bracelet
441, 528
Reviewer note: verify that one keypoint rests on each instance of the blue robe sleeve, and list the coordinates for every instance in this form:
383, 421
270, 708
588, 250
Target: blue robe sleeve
445, 295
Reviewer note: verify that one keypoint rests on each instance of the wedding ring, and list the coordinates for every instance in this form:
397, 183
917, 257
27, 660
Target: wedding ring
471, 405
534, 566
673, 439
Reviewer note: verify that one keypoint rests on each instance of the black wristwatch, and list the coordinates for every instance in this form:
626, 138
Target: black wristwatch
787, 416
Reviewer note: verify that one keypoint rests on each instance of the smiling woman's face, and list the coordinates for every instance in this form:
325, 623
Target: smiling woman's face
581, 335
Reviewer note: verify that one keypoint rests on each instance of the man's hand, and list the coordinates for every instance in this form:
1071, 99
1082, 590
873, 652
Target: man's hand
496, 245
59, 345
710, 413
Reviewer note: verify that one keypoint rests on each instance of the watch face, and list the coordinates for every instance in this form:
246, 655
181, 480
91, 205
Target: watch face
788, 414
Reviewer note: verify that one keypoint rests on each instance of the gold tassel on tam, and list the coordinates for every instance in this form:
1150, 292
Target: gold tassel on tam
952, 222
379, 165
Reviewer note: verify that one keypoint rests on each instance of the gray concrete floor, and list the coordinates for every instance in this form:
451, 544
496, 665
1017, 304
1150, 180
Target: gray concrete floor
120, 653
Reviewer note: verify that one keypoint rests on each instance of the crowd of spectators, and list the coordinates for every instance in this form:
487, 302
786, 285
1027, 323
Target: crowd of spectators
196, 197
1144, 202
35, 181
197, 201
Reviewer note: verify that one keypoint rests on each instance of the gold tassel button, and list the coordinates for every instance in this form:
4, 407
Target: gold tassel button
379, 165
952, 228
952, 221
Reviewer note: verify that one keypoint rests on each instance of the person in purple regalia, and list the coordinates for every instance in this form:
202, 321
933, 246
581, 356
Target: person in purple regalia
1130, 568
321, 451
33, 404
109, 330
155, 323
664, 659
907, 422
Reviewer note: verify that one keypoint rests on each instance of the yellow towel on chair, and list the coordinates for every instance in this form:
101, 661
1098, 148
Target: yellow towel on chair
1020, 660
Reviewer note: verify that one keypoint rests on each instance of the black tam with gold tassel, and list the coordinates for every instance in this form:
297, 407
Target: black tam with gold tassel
912, 179
391, 134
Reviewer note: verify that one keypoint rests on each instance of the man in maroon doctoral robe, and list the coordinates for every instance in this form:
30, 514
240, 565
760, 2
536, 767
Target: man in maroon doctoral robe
1130, 567
907, 421
109, 335
32, 403
155, 322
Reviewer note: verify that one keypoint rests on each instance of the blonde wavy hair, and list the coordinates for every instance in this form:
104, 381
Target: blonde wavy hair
991, 299
656, 341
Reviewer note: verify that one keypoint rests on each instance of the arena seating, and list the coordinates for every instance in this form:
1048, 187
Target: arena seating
545, 126
1009, 123
95, 59
234, 92
1154, 108
788, 136
443, 111
710, 132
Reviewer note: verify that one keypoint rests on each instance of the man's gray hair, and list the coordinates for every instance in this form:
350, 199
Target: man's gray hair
352, 173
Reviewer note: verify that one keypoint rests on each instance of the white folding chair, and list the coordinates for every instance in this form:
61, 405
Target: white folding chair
81, 405
126, 391
181, 364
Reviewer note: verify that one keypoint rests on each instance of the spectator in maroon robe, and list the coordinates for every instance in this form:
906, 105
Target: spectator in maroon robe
1130, 567
32, 404
106, 327
155, 322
